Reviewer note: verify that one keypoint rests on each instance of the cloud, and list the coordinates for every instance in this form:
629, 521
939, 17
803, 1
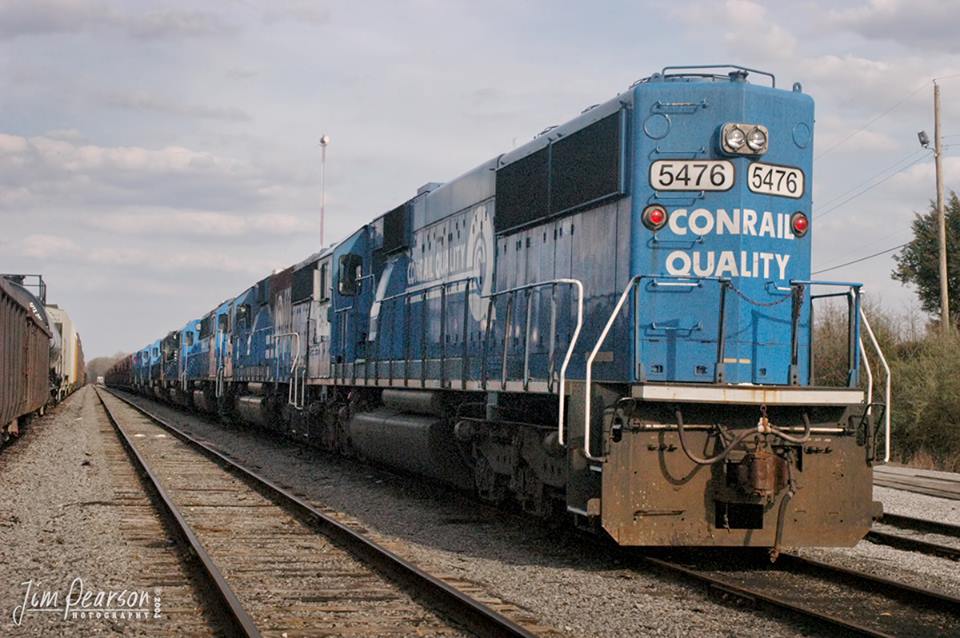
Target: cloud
52, 171
300, 11
833, 134
141, 101
204, 224
49, 17
746, 27
58, 249
925, 24
917, 183
172, 23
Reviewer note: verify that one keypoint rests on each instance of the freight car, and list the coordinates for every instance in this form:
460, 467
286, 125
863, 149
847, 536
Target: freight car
41, 355
613, 321
24, 357
68, 371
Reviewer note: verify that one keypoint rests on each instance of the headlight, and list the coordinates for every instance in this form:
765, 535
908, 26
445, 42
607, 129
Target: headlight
744, 139
757, 139
734, 138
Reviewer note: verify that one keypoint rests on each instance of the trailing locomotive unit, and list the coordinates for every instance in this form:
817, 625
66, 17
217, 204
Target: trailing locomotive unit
613, 320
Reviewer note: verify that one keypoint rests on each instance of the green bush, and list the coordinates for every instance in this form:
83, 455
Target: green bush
925, 369
926, 401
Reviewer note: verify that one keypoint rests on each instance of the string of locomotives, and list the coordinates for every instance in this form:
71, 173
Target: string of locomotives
612, 321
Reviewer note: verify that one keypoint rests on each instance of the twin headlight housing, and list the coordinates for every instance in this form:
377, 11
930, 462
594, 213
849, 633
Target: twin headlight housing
744, 139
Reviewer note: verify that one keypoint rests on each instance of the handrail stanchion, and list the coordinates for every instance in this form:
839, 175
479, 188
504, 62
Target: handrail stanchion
465, 359
551, 350
719, 371
423, 339
406, 341
569, 355
588, 377
443, 335
486, 340
866, 365
526, 340
292, 388
886, 392
507, 329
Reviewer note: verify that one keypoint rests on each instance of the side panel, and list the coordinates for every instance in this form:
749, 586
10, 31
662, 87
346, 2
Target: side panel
24, 358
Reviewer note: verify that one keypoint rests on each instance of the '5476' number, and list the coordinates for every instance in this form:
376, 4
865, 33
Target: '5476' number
770, 179
691, 175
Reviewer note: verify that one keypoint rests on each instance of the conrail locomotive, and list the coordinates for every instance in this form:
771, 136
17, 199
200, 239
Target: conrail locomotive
612, 322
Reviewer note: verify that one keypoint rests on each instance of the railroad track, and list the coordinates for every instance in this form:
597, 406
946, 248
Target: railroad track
274, 563
848, 601
910, 542
827, 596
931, 483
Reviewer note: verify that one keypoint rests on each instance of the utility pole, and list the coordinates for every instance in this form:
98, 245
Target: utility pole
945, 325
324, 140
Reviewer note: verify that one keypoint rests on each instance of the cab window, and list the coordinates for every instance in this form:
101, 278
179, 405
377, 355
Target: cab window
351, 270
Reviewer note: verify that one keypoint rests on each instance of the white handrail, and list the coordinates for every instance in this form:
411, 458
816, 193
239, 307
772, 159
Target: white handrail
569, 354
292, 390
573, 339
588, 377
886, 392
866, 365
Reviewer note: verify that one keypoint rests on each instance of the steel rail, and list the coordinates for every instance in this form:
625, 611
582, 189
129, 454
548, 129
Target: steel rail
920, 526
473, 614
907, 594
760, 597
241, 622
907, 543
905, 485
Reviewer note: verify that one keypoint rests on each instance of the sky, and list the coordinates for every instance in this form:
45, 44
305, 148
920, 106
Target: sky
157, 158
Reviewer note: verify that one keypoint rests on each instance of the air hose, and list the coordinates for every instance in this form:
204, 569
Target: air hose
713, 459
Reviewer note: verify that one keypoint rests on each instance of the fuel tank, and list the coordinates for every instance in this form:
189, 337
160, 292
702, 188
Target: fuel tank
200, 400
414, 443
253, 410
416, 401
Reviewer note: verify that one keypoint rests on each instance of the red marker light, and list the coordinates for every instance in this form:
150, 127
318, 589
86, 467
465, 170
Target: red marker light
799, 224
654, 217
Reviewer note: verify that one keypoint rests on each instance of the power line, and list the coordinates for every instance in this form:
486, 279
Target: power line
848, 136
909, 156
873, 245
857, 261
869, 188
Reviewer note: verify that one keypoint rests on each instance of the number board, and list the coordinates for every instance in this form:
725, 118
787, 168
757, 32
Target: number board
691, 175
770, 179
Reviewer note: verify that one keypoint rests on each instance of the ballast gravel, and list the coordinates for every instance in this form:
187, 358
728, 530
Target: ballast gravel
554, 575
912, 568
906, 503
72, 507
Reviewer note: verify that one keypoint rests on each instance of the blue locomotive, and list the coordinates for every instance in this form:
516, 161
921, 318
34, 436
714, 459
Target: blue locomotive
612, 321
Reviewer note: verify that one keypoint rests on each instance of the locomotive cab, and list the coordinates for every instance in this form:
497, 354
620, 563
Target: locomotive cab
720, 438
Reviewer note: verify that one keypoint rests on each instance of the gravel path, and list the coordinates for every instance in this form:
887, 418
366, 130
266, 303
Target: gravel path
580, 590
71, 506
918, 505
